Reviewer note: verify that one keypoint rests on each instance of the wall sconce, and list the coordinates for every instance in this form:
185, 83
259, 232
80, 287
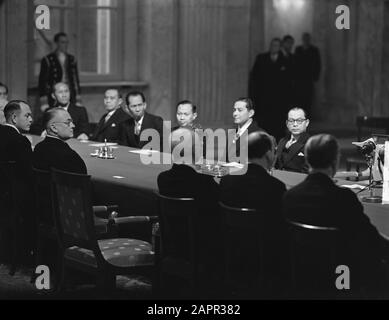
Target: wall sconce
285, 5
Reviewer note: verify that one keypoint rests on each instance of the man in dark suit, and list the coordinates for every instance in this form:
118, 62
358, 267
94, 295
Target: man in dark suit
257, 189
268, 85
53, 151
182, 181
131, 130
79, 115
108, 126
290, 149
16, 147
243, 113
58, 66
319, 201
308, 68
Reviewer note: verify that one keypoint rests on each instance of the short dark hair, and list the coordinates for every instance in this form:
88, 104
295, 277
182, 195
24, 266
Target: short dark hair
249, 103
4, 86
62, 83
117, 90
194, 108
12, 107
59, 35
275, 39
134, 93
50, 114
298, 108
259, 143
321, 151
287, 37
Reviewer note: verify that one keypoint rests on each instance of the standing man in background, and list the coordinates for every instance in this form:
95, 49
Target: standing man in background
58, 66
308, 68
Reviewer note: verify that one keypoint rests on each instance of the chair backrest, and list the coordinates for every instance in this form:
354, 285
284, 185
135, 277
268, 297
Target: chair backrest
243, 246
178, 228
315, 253
73, 213
372, 123
7, 188
43, 196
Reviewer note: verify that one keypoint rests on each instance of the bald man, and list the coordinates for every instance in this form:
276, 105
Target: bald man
53, 151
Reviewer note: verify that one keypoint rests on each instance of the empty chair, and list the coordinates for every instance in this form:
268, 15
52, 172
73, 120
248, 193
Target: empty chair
78, 242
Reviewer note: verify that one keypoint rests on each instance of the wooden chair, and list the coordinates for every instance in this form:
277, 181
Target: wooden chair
46, 233
10, 217
362, 123
315, 253
243, 246
78, 242
179, 253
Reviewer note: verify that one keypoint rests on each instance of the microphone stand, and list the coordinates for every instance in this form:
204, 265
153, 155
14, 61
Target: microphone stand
371, 198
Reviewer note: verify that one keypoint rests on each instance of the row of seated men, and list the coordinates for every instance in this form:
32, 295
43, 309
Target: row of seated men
316, 201
124, 123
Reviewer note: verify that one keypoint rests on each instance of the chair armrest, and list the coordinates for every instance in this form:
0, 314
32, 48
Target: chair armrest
134, 219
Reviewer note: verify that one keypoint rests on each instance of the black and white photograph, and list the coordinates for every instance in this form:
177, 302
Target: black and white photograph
191, 156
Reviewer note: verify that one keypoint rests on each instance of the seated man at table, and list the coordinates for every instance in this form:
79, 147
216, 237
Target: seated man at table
108, 126
182, 181
186, 114
53, 151
257, 189
319, 201
290, 149
61, 95
131, 130
243, 113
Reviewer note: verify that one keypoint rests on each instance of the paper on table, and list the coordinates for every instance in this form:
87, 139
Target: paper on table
233, 164
143, 151
108, 144
354, 186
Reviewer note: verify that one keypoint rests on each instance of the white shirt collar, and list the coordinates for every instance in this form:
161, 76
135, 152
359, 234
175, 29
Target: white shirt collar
140, 121
244, 127
54, 137
12, 126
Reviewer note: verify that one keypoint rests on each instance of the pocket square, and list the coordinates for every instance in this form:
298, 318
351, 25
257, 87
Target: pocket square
301, 154
113, 125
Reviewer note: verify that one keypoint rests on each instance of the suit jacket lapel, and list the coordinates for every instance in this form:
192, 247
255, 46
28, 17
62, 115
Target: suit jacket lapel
281, 147
111, 120
295, 148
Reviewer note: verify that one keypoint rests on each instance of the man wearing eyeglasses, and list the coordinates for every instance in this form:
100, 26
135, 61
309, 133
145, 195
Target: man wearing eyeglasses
290, 149
53, 151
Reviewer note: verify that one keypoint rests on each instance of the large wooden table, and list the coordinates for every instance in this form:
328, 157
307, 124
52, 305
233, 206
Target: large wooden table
129, 183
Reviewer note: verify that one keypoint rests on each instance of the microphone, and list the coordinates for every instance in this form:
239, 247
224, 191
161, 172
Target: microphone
368, 148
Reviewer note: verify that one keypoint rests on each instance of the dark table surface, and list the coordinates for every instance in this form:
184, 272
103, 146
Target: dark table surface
129, 182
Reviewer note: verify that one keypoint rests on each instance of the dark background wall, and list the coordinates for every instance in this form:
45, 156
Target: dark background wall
203, 50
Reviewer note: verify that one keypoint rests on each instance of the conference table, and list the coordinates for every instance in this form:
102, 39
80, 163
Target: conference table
131, 183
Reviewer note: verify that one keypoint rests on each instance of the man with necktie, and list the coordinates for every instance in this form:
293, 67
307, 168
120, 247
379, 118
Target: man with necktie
131, 130
290, 149
108, 126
